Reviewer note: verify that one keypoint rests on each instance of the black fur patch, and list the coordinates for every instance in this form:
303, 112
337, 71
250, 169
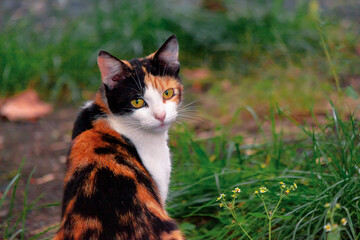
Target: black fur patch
156, 69
76, 182
85, 118
91, 234
110, 139
105, 150
126, 90
140, 176
114, 196
68, 223
158, 225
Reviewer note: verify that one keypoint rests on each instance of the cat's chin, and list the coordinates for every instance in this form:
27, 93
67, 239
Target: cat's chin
159, 128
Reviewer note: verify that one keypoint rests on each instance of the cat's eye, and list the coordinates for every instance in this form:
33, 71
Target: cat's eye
168, 93
138, 103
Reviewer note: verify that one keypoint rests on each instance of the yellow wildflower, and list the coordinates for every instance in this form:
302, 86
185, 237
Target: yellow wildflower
222, 196
327, 205
337, 205
343, 221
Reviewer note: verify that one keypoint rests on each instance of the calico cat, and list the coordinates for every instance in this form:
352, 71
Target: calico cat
118, 167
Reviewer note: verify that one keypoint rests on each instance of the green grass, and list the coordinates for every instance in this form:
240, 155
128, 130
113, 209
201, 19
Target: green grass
205, 168
13, 225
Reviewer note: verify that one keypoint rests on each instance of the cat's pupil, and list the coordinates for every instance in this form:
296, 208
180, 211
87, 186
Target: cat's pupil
166, 92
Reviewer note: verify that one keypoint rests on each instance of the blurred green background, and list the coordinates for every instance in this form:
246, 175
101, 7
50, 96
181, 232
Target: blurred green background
248, 66
269, 50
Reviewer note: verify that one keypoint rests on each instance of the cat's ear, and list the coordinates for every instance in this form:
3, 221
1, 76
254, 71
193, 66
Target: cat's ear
167, 55
112, 69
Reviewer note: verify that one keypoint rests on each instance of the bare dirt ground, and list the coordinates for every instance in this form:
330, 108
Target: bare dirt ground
43, 145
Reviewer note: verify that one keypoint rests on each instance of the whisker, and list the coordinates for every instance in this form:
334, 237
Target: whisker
137, 84
137, 77
181, 124
188, 104
164, 69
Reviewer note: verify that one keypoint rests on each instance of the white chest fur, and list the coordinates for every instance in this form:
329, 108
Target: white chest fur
153, 151
155, 155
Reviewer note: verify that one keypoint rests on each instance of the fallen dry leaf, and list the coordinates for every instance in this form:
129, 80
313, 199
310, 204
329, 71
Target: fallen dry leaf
62, 159
45, 179
25, 106
250, 152
355, 82
322, 161
1, 101
4, 212
357, 49
226, 85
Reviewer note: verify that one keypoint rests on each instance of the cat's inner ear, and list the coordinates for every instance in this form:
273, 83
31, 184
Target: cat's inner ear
112, 69
167, 55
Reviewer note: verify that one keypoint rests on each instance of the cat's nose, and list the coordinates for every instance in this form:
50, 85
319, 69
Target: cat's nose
160, 116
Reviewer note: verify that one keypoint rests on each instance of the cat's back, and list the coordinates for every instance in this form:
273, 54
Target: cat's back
108, 193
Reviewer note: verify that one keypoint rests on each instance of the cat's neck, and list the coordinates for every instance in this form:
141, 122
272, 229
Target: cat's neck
153, 150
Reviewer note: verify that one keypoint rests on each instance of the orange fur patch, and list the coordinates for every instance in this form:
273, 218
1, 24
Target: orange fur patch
100, 102
174, 235
82, 224
69, 207
82, 153
144, 196
163, 83
127, 64
89, 186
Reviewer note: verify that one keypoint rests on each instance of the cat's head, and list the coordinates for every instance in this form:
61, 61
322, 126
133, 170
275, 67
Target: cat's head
143, 93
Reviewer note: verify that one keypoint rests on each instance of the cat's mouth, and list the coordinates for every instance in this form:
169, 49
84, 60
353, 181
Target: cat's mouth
162, 126
157, 126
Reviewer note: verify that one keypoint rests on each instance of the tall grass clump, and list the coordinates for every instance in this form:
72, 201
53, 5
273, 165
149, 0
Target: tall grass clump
324, 162
13, 224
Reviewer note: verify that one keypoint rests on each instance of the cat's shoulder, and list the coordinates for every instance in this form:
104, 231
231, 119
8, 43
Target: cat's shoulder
86, 117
